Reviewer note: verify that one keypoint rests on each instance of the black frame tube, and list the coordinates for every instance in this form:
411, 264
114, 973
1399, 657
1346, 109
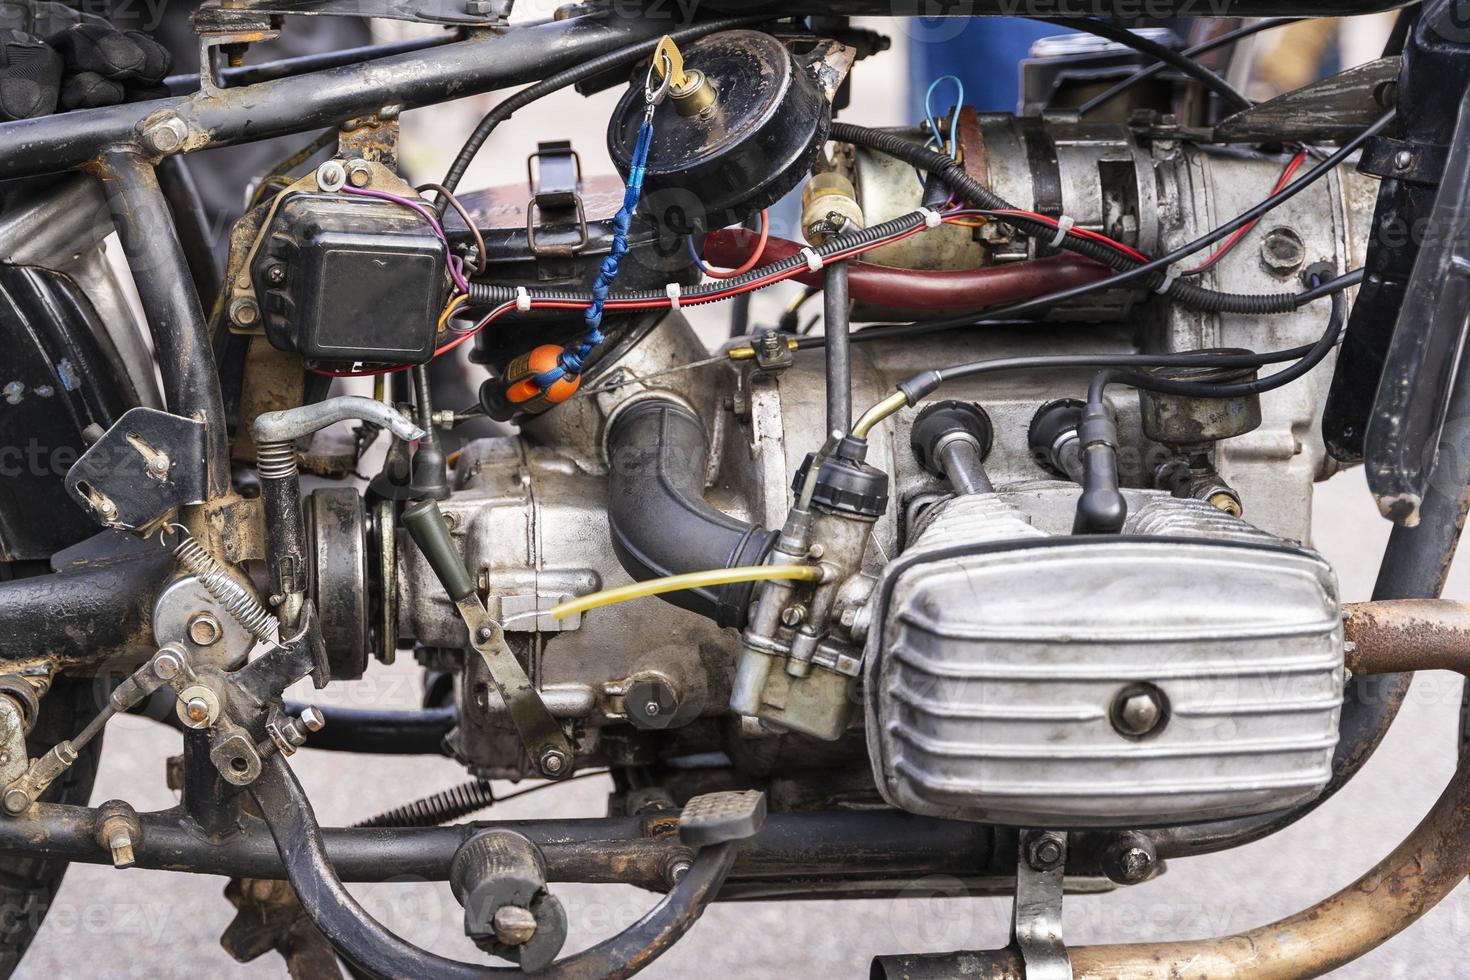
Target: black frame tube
300, 103
378, 952
181, 343
793, 852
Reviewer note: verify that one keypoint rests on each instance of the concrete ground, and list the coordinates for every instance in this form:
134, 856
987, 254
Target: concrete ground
108, 924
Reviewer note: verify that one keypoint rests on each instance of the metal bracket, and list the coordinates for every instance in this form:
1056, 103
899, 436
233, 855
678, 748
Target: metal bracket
1036, 918
1406, 160
143, 469
556, 197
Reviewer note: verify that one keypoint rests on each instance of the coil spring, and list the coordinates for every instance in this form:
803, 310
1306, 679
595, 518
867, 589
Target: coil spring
442, 807
275, 460
237, 600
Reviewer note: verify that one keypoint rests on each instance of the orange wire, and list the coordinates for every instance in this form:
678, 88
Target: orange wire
760, 247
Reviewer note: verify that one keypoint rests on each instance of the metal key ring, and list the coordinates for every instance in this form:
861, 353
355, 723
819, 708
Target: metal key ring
653, 96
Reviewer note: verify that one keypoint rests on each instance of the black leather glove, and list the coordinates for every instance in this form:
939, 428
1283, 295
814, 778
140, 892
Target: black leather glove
83, 61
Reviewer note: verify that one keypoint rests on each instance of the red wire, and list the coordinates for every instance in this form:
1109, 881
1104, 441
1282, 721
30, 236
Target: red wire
1234, 240
660, 302
754, 256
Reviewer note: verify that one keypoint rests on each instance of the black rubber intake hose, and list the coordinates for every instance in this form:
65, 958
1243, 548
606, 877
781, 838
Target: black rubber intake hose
660, 523
954, 176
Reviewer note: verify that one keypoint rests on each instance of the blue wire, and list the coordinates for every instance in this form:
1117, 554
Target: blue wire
954, 143
570, 362
699, 259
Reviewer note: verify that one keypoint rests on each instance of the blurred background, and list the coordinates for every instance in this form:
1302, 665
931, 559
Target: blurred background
108, 924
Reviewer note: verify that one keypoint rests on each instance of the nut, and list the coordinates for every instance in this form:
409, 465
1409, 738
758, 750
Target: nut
204, 629
513, 925
553, 762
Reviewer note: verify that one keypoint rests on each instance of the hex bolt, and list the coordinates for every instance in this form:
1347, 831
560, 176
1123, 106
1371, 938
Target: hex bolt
120, 843
1044, 852
513, 925
1282, 251
553, 761
204, 629
313, 719
359, 174
244, 312
166, 135
1139, 710
117, 829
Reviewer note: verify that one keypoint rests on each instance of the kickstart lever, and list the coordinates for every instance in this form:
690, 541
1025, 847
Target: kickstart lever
541, 733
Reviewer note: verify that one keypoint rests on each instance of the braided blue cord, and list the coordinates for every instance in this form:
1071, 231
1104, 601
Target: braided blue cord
570, 363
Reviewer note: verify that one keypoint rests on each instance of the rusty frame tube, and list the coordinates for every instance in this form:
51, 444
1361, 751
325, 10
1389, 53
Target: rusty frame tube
1407, 635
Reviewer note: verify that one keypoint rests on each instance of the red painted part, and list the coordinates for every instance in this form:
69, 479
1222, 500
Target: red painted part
913, 289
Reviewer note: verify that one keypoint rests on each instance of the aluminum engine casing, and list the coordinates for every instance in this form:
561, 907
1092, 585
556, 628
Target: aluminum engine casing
998, 651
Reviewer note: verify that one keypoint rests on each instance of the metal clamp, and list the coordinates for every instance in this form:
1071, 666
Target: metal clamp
1036, 917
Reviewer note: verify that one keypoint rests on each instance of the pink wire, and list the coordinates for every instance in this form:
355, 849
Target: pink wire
456, 265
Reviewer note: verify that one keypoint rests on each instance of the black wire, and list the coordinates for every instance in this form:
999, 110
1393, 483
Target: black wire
1178, 61
571, 76
925, 382
1313, 356
1229, 37
1162, 264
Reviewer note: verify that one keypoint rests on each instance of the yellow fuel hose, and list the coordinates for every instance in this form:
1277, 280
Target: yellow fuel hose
692, 580
878, 413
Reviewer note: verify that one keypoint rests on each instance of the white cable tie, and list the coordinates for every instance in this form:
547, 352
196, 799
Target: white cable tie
932, 219
1171, 277
523, 299
673, 290
1064, 225
813, 260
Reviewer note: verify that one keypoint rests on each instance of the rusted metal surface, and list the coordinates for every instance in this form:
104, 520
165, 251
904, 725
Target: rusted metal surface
1403, 635
1386, 900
